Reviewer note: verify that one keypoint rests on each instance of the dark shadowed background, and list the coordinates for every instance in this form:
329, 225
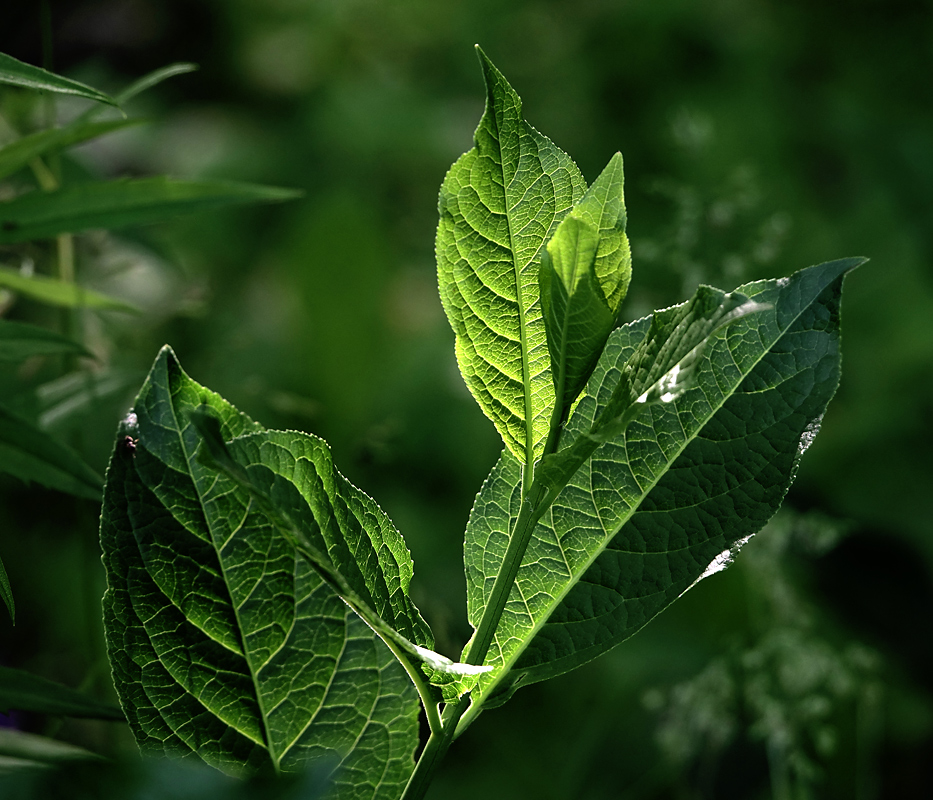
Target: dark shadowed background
759, 136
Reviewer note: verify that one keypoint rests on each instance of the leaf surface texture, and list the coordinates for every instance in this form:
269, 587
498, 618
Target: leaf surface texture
499, 205
651, 510
224, 640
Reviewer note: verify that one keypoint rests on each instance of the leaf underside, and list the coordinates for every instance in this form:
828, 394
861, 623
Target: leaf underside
224, 641
689, 481
499, 205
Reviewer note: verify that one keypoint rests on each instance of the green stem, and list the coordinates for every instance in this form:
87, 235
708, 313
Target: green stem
434, 751
535, 501
529, 513
424, 689
440, 740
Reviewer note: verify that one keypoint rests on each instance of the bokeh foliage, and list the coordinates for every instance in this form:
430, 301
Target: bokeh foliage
758, 135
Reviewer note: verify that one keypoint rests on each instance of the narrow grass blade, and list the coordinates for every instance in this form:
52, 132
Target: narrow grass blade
19, 153
31, 454
59, 293
24, 691
17, 73
118, 204
19, 341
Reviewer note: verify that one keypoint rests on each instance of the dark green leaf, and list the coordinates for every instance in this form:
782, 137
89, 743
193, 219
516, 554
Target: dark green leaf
19, 341
499, 205
664, 365
660, 371
16, 73
224, 639
58, 293
19, 153
671, 498
33, 455
359, 554
335, 525
26, 692
117, 204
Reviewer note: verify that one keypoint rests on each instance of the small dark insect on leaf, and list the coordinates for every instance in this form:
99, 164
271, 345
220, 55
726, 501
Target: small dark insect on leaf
10, 226
129, 445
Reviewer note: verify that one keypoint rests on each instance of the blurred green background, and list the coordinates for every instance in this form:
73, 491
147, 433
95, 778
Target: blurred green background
760, 136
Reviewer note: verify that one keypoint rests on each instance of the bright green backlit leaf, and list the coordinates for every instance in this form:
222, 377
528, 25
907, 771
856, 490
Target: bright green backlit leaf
33, 455
17, 73
19, 341
603, 207
499, 205
576, 315
672, 498
117, 204
224, 639
23, 691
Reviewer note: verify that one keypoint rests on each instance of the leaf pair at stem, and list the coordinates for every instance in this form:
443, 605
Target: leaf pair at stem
258, 610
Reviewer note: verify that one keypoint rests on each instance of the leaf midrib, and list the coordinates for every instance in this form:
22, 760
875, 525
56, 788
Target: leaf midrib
246, 652
519, 296
503, 669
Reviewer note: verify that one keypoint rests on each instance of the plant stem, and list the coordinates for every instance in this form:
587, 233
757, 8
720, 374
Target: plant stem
434, 751
529, 513
417, 678
535, 501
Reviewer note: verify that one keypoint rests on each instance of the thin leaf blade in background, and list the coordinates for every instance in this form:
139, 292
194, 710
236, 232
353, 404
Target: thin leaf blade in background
499, 205
23, 691
671, 500
6, 591
304, 681
154, 78
59, 293
19, 341
21, 751
31, 454
17, 73
17, 154
118, 204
